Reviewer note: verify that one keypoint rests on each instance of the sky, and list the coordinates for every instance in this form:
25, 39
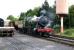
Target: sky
15, 7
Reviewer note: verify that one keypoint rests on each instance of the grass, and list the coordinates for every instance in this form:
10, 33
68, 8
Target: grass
68, 33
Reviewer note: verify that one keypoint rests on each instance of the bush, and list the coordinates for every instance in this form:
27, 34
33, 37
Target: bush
56, 28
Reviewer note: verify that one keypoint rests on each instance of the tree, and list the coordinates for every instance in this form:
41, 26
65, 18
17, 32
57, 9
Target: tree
33, 12
46, 6
22, 15
11, 17
36, 11
29, 13
71, 16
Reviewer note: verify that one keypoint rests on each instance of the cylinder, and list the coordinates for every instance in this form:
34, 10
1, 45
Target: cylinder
62, 29
61, 6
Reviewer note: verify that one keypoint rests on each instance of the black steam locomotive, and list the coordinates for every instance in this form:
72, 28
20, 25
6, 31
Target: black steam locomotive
37, 26
42, 25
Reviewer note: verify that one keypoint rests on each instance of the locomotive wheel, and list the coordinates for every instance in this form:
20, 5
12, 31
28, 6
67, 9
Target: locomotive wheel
51, 33
42, 34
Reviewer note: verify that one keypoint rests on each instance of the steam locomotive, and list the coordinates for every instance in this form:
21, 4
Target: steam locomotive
41, 26
37, 26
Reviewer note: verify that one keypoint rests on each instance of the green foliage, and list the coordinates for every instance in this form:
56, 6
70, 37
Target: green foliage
71, 14
66, 22
11, 17
22, 15
33, 12
68, 33
36, 11
30, 13
46, 6
56, 28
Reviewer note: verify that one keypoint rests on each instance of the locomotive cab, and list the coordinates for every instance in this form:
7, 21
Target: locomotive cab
1, 22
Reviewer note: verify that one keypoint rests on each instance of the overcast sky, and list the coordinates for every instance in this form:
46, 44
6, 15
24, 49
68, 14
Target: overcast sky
15, 7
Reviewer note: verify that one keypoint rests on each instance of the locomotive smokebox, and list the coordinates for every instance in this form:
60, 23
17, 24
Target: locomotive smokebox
61, 7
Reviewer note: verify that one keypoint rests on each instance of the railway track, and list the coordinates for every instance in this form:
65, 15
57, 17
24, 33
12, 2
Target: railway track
60, 39
57, 38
